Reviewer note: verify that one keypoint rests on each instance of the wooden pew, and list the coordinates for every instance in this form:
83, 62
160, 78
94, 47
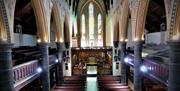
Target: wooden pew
110, 83
73, 83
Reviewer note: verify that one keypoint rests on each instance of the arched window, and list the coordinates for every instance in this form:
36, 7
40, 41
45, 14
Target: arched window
100, 40
91, 25
83, 39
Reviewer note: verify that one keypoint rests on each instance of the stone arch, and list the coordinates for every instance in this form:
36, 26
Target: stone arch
138, 10
116, 30
124, 20
42, 12
175, 20
57, 19
6, 20
66, 31
83, 4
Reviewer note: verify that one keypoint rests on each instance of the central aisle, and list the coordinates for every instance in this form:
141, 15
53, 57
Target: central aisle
91, 84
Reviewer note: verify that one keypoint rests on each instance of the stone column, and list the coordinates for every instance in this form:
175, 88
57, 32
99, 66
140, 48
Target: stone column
123, 65
6, 71
137, 64
174, 66
59, 70
45, 75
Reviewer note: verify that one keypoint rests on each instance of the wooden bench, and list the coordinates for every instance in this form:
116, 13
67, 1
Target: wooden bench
110, 83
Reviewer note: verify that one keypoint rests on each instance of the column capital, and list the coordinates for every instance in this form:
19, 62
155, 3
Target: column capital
6, 67
67, 44
122, 42
61, 46
115, 43
5, 46
43, 44
138, 42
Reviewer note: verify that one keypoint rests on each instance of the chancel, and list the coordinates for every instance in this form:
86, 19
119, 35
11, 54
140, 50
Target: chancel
89, 45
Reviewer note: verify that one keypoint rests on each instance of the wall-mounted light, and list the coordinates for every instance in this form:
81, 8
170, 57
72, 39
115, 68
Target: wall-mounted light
176, 37
126, 59
3, 39
39, 69
56, 60
136, 39
38, 40
126, 40
144, 69
121, 39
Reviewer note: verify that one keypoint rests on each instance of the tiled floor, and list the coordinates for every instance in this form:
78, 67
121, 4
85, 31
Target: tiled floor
91, 83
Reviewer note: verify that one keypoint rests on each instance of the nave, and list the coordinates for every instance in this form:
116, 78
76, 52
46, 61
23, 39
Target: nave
89, 45
103, 83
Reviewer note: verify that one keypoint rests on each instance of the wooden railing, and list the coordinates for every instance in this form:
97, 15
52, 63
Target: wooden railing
156, 71
27, 72
24, 70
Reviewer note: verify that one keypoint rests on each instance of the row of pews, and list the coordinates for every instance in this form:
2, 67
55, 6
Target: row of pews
110, 83
73, 83
27, 53
105, 83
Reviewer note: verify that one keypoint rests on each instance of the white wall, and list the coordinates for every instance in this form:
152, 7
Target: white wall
26, 40
156, 38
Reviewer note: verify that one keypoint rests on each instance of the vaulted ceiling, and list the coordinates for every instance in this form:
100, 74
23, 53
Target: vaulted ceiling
76, 3
24, 14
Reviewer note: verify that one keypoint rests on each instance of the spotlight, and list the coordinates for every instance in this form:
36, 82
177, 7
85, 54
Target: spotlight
56, 60
38, 40
126, 59
143, 68
39, 70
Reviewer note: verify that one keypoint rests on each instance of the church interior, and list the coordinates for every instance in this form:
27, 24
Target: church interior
89, 45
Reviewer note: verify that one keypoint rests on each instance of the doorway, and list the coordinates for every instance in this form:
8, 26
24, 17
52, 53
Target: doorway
92, 66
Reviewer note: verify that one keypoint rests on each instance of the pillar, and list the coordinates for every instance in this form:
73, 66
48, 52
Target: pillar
137, 64
123, 65
45, 75
6, 68
174, 66
59, 67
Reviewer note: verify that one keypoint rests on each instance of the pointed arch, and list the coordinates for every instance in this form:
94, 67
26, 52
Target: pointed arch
124, 18
116, 30
176, 20
43, 14
139, 10
7, 20
66, 30
57, 18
